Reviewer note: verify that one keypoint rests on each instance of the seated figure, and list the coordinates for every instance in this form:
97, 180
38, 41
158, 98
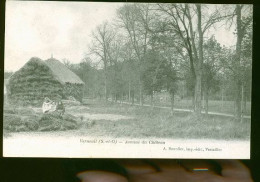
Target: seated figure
51, 106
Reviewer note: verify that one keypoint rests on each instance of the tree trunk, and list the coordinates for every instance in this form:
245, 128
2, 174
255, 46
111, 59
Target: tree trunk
203, 99
207, 100
172, 102
193, 101
152, 103
250, 92
106, 93
243, 100
129, 91
140, 93
116, 97
198, 95
199, 65
237, 63
222, 98
183, 91
106, 96
133, 97
238, 100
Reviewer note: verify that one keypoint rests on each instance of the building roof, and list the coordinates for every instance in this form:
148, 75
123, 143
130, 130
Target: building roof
62, 73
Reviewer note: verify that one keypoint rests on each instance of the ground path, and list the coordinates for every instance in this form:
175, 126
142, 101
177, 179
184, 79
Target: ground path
186, 110
110, 117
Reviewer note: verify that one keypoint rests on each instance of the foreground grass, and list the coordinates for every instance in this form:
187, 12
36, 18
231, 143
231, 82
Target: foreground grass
160, 123
142, 122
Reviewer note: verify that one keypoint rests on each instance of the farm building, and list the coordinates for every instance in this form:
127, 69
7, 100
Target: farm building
38, 79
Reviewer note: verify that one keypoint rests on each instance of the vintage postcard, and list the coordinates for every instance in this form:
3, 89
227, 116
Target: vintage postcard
127, 80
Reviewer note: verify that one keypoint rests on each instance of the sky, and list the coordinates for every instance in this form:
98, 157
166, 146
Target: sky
40, 29
44, 28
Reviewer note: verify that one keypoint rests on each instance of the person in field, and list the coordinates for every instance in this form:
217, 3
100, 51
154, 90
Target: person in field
49, 106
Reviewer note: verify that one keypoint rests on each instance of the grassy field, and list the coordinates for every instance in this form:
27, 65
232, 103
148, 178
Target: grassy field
142, 122
98, 118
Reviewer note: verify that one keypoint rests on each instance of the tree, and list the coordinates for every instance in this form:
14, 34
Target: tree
213, 54
129, 71
242, 24
246, 61
175, 22
135, 20
101, 46
115, 67
67, 63
158, 44
153, 73
7, 74
240, 65
189, 23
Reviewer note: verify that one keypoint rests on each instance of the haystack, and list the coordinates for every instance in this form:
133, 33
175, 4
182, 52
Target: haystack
38, 79
25, 119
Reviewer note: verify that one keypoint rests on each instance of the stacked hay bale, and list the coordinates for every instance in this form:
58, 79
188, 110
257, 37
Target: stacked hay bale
32, 83
26, 119
38, 79
20, 119
72, 84
29, 86
73, 90
54, 122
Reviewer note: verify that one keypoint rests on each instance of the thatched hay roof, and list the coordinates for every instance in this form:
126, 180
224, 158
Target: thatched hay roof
59, 70
32, 61
62, 73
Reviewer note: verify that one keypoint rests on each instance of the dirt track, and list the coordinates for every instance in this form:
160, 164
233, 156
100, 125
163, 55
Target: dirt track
188, 110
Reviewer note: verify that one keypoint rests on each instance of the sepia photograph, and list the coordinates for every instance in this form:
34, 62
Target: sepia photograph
127, 80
